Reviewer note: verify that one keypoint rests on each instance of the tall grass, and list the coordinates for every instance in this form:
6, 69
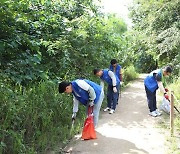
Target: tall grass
175, 86
36, 120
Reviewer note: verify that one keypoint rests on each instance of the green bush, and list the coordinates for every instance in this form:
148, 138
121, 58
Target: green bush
36, 120
40, 117
175, 86
129, 74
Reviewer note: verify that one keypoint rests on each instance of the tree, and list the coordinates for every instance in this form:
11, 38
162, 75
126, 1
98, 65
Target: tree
159, 21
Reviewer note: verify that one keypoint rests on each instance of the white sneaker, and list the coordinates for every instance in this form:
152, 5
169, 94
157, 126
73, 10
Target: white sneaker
153, 113
106, 109
111, 111
157, 112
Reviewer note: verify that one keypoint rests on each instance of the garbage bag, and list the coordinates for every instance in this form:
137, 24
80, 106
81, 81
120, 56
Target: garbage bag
165, 106
88, 129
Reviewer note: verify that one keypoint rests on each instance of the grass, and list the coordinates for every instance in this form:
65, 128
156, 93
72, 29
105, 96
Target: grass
39, 119
173, 141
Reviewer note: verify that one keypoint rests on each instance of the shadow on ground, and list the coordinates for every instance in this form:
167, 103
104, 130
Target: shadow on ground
96, 146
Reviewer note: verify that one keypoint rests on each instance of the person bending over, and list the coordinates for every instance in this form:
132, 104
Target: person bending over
85, 92
152, 82
113, 87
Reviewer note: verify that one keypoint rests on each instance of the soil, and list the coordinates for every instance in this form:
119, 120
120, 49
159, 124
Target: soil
130, 130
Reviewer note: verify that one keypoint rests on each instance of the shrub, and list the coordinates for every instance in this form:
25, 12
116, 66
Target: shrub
36, 120
175, 86
129, 74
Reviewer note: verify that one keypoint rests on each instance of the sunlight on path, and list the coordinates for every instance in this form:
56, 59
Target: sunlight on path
129, 131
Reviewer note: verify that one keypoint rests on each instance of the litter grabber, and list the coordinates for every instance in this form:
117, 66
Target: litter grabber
72, 126
177, 109
175, 106
165, 106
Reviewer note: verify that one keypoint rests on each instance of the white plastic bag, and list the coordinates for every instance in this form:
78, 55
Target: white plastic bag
165, 106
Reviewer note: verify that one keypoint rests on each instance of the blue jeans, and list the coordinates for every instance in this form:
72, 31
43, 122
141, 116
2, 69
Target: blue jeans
112, 97
96, 108
151, 99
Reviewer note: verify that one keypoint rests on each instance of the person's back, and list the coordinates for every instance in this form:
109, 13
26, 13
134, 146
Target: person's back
152, 82
113, 87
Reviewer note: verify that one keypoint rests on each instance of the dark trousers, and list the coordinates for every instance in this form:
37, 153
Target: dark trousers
112, 97
118, 92
151, 99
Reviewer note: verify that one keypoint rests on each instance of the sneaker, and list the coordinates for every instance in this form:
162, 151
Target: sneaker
153, 113
106, 109
111, 111
158, 113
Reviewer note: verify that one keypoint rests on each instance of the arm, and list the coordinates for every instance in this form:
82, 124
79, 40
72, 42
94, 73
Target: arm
75, 104
85, 86
92, 94
112, 76
102, 83
75, 107
161, 87
159, 82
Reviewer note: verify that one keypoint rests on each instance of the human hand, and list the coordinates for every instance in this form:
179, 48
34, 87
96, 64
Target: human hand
91, 103
74, 116
115, 89
166, 90
166, 96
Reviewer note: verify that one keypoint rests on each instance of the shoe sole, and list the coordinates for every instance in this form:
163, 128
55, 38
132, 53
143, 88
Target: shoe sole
153, 115
112, 113
159, 114
106, 110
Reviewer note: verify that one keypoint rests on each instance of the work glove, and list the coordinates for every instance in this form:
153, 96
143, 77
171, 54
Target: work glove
115, 89
74, 116
91, 103
166, 96
166, 90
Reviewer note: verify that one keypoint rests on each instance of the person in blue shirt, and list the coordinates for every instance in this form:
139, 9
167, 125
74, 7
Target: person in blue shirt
116, 68
85, 92
152, 82
113, 87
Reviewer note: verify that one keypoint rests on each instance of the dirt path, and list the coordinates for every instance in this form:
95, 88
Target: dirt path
129, 131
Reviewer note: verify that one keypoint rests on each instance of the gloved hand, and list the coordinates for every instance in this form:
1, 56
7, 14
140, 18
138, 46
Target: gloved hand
166, 96
74, 116
115, 89
166, 90
91, 103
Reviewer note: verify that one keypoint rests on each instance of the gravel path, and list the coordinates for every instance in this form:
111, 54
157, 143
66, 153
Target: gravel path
128, 131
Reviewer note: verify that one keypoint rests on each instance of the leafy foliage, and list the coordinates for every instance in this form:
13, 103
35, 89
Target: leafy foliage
43, 42
129, 74
158, 22
35, 120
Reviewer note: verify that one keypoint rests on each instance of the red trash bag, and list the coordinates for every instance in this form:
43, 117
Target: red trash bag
88, 130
